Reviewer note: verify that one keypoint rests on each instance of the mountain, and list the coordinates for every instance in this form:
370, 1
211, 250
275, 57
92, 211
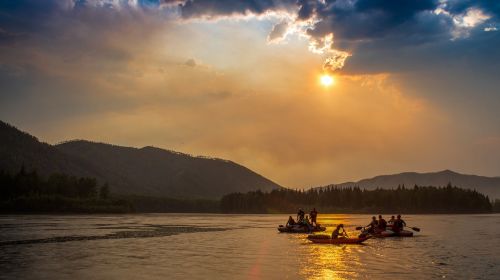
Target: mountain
18, 148
155, 171
145, 171
486, 185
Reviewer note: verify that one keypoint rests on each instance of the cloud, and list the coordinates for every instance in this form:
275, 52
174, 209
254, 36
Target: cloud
222, 8
335, 61
467, 21
354, 24
278, 33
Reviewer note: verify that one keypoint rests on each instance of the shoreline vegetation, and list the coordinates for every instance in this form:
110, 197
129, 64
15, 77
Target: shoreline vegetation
416, 200
27, 192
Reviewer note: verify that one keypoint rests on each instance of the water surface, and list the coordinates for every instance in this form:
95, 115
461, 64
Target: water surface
202, 246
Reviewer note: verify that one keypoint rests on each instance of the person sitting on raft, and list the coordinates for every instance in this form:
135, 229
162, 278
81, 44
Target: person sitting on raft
290, 222
306, 224
382, 224
398, 224
372, 225
313, 215
336, 233
300, 215
391, 221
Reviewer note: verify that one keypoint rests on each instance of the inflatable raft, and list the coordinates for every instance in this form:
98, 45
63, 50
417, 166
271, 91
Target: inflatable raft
300, 229
323, 239
390, 233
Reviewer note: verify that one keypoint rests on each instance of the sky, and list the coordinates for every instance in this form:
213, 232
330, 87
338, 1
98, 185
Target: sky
415, 83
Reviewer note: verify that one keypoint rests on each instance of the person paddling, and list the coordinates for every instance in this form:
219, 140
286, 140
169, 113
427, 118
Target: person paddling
391, 221
313, 215
398, 225
382, 224
372, 225
290, 222
337, 233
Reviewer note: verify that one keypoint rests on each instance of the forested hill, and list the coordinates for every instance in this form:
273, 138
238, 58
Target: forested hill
154, 171
145, 171
487, 185
18, 148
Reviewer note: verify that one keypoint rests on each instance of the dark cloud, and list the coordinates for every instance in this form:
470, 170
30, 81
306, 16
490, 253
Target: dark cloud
347, 19
381, 35
278, 32
374, 31
477, 55
216, 8
370, 19
26, 16
460, 6
379, 27
352, 22
307, 9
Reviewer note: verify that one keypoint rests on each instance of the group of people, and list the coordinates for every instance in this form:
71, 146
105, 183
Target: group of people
396, 224
303, 219
377, 226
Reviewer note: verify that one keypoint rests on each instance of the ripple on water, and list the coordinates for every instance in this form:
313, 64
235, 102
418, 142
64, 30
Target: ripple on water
156, 231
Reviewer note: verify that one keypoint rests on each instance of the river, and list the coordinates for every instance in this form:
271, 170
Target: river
206, 246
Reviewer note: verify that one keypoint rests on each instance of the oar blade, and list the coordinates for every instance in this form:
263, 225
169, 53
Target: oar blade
416, 229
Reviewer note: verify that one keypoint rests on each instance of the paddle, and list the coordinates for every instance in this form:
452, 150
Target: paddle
415, 229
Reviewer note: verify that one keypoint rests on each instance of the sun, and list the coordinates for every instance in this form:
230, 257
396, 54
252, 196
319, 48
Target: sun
326, 80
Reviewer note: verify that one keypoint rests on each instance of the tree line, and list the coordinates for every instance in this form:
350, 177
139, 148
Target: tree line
331, 199
27, 191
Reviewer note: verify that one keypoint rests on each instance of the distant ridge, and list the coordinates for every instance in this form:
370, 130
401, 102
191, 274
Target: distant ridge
144, 171
158, 172
486, 185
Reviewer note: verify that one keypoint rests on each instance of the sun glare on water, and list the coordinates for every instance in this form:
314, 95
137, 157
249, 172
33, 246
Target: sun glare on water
326, 80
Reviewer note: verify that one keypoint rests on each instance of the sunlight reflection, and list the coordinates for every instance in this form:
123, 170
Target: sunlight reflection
256, 270
332, 261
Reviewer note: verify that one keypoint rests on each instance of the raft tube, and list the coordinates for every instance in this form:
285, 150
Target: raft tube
390, 233
300, 229
337, 240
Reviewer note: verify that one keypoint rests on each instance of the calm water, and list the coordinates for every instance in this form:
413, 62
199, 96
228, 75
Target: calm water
170, 246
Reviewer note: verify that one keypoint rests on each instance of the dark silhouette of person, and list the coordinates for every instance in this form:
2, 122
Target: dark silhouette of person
398, 225
300, 215
382, 224
372, 225
391, 221
313, 215
306, 224
290, 222
336, 233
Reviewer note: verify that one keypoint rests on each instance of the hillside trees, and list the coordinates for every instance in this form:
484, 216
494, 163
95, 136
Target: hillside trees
419, 199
